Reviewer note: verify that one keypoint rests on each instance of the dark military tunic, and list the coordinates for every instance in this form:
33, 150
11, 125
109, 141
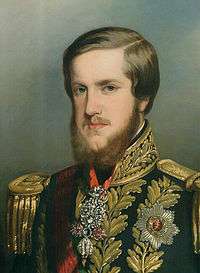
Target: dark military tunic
140, 223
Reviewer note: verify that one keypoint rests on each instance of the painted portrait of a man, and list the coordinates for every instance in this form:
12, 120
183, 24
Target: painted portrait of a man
116, 187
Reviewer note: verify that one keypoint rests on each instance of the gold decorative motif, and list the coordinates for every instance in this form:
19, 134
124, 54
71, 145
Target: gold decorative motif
196, 222
22, 203
138, 160
193, 183
192, 179
79, 199
145, 258
107, 250
172, 168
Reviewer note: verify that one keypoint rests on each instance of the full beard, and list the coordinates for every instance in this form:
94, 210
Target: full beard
112, 152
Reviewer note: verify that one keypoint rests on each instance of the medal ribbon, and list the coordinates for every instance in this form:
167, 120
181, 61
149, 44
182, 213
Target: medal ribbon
94, 180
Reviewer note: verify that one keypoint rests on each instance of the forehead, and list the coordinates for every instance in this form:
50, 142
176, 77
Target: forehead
98, 64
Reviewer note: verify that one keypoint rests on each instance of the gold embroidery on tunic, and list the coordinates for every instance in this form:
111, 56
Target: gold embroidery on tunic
107, 250
138, 160
144, 258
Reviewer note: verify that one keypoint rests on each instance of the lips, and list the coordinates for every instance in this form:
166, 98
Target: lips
97, 125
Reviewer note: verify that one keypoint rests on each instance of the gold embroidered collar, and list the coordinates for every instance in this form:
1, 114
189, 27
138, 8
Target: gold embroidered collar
139, 159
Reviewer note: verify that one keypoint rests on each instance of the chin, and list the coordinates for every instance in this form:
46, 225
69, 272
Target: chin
97, 143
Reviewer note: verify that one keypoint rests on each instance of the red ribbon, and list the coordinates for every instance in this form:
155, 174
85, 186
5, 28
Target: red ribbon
94, 181
70, 263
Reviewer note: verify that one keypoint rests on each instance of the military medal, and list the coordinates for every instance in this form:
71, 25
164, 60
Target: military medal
92, 213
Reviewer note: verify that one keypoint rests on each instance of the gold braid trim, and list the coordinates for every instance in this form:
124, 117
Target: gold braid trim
172, 168
109, 249
192, 183
139, 159
24, 194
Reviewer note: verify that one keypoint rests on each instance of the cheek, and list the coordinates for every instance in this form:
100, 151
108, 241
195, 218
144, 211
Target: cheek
122, 109
78, 119
79, 111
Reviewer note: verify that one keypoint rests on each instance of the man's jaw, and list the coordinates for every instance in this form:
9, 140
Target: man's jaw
110, 151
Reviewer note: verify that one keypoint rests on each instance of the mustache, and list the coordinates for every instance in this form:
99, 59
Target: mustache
96, 119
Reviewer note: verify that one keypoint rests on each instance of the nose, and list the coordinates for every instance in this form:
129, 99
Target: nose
92, 106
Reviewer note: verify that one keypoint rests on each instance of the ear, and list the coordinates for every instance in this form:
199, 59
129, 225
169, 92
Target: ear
142, 104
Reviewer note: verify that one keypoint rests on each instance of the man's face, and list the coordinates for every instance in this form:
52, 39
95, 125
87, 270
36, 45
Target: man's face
102, 95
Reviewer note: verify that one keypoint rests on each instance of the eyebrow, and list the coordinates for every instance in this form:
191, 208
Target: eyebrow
106, 81
98, 83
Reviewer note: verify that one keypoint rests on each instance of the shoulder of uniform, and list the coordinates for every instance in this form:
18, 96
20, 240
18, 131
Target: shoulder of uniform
23, 199
191, 177
192, 183
29, 184
175, 169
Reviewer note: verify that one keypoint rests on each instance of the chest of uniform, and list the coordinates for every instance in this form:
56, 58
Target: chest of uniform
126, 228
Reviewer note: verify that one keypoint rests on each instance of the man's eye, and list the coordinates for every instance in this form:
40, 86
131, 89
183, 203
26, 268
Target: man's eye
79, 90
109, 88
